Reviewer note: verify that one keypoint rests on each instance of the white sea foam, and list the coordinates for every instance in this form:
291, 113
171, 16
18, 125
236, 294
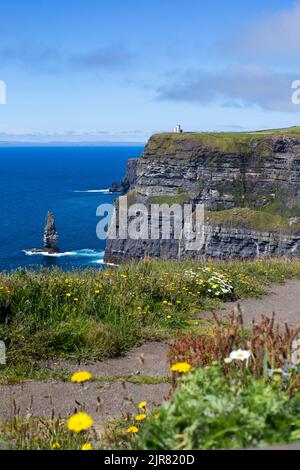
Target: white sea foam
101, 261
103, 191
45, 253
89, 253
86, 253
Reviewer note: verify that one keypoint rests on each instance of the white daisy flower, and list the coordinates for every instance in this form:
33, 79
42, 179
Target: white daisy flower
240, 355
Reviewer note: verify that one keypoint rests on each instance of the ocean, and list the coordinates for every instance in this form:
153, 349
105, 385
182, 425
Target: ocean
71, 182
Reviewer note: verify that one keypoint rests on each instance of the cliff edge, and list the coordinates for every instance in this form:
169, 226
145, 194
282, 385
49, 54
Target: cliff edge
248, 182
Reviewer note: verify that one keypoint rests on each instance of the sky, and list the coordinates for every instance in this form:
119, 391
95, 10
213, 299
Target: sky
121, 70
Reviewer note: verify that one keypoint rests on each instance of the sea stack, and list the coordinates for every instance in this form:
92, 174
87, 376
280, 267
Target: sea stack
50, 235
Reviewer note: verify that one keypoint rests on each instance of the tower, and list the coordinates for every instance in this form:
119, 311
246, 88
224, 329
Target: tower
178, 129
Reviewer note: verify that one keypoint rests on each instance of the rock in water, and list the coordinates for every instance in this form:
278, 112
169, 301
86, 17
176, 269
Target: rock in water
50, 235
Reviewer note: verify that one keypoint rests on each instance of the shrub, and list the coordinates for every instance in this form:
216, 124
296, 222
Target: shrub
41, 434
210, 411
197, 350
270, 346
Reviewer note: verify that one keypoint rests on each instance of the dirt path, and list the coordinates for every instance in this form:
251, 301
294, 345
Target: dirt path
283, 300
41, 398
120, 396
149, 359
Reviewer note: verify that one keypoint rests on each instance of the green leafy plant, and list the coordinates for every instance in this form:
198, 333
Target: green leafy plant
210, 411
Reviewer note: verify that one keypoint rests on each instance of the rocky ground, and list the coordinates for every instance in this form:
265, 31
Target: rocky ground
122, 383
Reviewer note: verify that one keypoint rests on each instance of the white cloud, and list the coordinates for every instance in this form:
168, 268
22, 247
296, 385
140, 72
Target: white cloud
277, 34
39, 57
235, 86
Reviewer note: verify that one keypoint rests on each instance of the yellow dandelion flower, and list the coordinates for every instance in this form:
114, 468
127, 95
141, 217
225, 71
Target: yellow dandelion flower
68, 294
81, 376
181, 367
141, 417
80, 422
157, 416
97, 292
132, 429
87, 446
143, 404
75, 299
56, 445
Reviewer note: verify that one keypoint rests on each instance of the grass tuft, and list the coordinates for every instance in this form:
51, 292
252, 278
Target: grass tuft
96, 315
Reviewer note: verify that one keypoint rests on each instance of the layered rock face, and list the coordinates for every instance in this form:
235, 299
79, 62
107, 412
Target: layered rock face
222, 171
129, 180
219, 243
229, 243
218, 173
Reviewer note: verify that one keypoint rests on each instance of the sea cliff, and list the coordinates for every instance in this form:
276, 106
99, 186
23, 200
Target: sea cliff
248, 182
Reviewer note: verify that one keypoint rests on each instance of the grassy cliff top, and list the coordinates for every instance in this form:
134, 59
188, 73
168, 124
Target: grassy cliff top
221, 141
259, 220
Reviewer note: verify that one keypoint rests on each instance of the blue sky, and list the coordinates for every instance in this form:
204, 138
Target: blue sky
117, 70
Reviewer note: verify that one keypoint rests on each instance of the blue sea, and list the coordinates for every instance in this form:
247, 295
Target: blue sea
69, 181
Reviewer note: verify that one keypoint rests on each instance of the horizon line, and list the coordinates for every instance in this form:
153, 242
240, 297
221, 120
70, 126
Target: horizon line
70, 144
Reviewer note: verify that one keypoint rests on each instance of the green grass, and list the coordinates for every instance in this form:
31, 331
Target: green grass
42, 434
95, 315
281, 207
209, 411
233, 142
260, 220
169, 200
19, 373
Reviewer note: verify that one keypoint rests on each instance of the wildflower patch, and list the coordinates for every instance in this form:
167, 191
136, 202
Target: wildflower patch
205, 282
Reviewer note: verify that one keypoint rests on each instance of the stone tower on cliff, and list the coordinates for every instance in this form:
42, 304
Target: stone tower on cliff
50, 235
